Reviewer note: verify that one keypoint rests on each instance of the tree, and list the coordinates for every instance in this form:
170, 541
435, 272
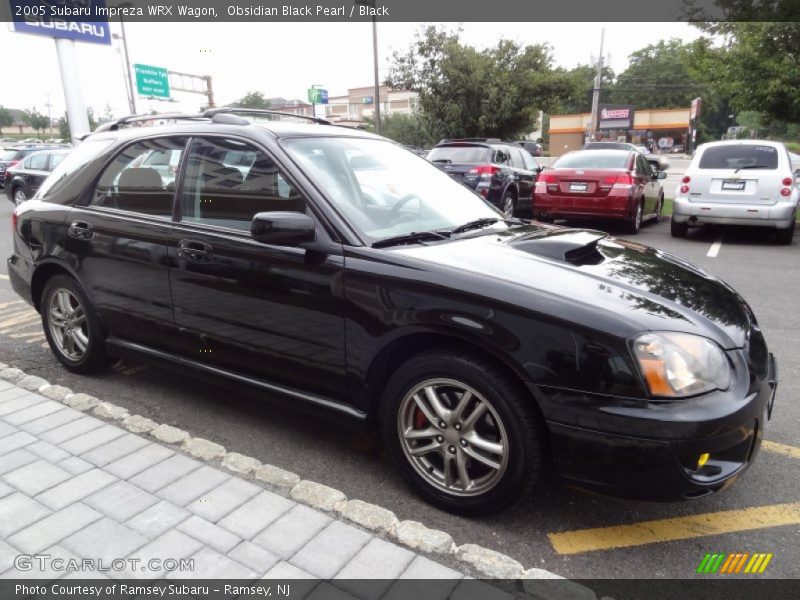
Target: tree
252, 100
36, 120
63, 128
756, 65
403, 128
6, 120
658, 77
581, 81
464, 92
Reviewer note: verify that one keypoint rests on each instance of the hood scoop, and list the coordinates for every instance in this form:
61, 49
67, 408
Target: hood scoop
575, 246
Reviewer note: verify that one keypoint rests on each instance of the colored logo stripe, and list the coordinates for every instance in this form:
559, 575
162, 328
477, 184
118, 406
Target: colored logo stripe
738, 562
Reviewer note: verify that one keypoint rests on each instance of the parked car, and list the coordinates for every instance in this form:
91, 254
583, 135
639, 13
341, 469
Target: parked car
23, 180
12, 156
485, 350
600, 184
794, 159
502, 173
738, 182
31, 141
56, 141
533, 148
610, 146
8, 142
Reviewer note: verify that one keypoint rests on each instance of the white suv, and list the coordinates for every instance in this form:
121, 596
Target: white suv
738, 182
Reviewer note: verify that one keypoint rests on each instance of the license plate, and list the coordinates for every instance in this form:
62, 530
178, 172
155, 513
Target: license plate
733, 185
577, 187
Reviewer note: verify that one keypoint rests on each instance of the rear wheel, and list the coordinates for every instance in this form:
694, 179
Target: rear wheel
508, 205
73, 331
659, 208
19, 196
785, 236
462, 433
635, 223
678, 230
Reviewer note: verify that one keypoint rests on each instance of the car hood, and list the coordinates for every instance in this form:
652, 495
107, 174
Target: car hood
648, 289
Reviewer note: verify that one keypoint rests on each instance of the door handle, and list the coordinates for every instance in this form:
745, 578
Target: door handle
194, 251
81, 230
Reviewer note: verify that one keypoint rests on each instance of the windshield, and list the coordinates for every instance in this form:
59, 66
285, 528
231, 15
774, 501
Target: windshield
460, 154
73, 162
739, 156
383, 190
593, 160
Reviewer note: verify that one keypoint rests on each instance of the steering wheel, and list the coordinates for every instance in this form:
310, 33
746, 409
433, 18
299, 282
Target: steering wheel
395, 210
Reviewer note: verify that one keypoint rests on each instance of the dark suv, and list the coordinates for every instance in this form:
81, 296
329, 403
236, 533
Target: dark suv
503, 173
338, 271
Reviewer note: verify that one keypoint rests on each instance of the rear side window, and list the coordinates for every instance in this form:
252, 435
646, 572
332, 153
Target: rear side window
460, 154
132, 184
740, 156
37, 162
72, 163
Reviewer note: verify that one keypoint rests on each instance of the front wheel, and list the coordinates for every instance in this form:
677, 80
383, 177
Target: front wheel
635, 223
463, 434
73, 331
508, 205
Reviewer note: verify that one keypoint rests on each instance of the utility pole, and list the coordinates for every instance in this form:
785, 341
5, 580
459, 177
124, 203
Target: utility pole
377, 83
128, 65
594, 121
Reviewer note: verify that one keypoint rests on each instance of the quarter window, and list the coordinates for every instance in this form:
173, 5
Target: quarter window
227, 182
135, 182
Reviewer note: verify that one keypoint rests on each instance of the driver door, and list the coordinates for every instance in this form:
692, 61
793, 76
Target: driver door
270, 312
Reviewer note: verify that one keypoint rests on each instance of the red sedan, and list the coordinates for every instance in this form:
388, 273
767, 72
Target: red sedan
600, 184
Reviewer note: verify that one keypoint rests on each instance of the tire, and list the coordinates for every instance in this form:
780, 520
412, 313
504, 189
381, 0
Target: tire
678, 230
508, 205
19, 196
67, 335
659, 208
785, 236
635, 224
509, 421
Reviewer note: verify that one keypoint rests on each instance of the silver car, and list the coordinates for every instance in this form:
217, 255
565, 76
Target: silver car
738, 182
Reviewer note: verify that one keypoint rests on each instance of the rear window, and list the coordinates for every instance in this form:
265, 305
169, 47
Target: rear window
459, 154
593, 160
9, 155
740, 156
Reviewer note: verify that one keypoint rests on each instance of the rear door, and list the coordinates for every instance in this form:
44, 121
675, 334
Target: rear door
119, 241
524, 176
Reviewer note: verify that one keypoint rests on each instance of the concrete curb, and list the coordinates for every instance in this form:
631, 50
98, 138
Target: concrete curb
487, 563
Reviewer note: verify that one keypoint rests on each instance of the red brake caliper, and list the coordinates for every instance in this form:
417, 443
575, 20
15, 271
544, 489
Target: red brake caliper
419, 419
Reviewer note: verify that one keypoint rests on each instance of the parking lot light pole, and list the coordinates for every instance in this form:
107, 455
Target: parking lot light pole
371, 3
128, 58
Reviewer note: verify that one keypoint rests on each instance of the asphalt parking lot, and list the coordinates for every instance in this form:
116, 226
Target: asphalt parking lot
555, 527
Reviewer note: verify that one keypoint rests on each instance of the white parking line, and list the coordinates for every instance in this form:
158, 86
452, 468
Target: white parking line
714, 250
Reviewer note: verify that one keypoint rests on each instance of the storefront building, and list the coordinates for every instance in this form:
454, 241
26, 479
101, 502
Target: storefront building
664, 131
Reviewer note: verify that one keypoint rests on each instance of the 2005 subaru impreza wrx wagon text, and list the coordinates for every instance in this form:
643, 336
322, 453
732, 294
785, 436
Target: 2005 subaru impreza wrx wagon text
346, 273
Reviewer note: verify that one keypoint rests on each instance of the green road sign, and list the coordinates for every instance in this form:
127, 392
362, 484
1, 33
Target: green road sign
317, 96
152, 81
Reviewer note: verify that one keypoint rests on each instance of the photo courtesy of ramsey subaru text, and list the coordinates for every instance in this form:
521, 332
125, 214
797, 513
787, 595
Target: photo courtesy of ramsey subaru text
358, 279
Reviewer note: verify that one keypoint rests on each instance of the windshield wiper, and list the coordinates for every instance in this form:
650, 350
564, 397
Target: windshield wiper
480, 223
411, 238
751, 167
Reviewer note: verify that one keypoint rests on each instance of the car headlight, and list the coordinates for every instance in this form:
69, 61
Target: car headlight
681, 364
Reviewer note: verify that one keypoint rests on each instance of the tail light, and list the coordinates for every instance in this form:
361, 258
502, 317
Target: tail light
607, 182
684, 189
11, 164
686, 179
787, 181
484, 171
785, 192
623, 182
549, 180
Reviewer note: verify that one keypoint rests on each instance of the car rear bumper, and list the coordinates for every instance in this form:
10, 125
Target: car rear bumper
598, 455
18, 276
604, 207
780, 215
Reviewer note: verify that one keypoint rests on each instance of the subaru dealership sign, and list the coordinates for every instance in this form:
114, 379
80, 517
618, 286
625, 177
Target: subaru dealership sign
53, 18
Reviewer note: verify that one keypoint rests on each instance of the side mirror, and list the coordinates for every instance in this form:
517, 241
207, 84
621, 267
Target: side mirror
282, 228
661, 175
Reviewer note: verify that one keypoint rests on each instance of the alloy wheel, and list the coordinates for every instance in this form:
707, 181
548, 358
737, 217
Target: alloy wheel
508, 206
19, 197
67, 322
453, 437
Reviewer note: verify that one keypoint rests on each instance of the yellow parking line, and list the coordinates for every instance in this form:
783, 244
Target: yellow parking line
790, 451
2, 276
7, 304
680, 528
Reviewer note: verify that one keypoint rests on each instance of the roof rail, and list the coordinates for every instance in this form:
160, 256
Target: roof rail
261, 111
473, 139
115, 125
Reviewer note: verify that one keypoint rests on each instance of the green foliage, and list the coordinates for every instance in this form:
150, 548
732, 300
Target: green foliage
405, 129
757, 65
6, 120
464, 92
63, 128
581, 82
252, 100
36, 120
658, 77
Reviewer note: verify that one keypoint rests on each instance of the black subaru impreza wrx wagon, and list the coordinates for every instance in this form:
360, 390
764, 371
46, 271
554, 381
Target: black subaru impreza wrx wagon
343, 272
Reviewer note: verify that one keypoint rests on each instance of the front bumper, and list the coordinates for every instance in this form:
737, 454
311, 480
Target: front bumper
780, 215
658, 459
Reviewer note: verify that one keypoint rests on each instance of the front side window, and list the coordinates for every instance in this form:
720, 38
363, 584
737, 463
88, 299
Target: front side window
130, 184
227, 182
383, 190
55, 160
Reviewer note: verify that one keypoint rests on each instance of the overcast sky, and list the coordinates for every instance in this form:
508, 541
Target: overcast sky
278, 59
